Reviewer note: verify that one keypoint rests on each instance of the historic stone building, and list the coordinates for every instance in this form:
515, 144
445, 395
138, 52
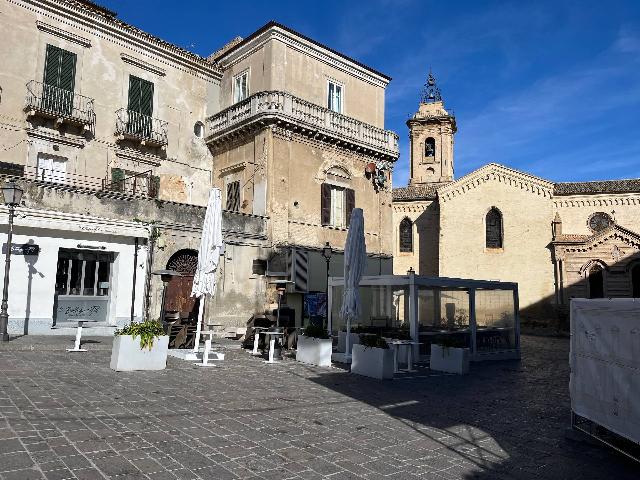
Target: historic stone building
117, 137
558, 240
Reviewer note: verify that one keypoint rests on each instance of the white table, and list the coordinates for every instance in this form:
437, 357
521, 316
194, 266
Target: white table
256, 339
272, 344
76, 347
207, 346
399, 344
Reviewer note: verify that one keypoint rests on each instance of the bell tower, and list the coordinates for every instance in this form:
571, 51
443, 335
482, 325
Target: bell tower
431, 131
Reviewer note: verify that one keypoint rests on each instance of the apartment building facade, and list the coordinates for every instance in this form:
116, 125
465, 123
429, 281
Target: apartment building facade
117, 137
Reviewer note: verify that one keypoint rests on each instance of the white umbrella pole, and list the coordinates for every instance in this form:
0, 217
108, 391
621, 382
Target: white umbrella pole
199, 325
347, 352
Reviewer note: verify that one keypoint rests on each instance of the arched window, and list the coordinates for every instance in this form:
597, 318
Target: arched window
596, 282
493, 223
635, 281
406, 235
430, 147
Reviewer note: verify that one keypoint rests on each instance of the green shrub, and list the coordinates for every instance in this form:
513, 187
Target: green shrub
148, 331
315, 331
373, 341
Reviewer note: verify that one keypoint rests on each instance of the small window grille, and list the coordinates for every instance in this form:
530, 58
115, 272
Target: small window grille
233, 196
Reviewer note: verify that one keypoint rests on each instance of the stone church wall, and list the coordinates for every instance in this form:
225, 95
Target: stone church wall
425, 217
575, 210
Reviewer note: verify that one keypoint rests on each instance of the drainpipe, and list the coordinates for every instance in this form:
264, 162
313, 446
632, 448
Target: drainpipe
147, 284
135, 274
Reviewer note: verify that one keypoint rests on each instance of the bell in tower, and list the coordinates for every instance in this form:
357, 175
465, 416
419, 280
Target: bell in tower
431, 131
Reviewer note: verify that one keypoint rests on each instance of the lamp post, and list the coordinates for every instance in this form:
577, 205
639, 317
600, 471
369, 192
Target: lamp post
165, 276
327, 251
12, 195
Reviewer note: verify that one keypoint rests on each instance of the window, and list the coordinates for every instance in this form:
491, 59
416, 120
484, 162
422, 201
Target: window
596, 282
233, 196
406, 235
336, 204
335, 96
198, 129
635, 281
430, 147
59, 80
51, 168
494, 228
240, 87
83, 273
140, 107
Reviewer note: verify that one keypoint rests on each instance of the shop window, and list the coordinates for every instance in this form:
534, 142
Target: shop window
83, 273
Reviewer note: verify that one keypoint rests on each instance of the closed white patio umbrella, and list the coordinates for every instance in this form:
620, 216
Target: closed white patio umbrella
211, 247
355, 259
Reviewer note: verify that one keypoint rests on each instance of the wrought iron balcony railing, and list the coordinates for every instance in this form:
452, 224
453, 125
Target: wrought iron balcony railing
138, 185
286, 107
148, 130
61, 104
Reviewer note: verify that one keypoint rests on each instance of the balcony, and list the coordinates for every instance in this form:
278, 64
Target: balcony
143, 184
293, 112
61, 105
131, 125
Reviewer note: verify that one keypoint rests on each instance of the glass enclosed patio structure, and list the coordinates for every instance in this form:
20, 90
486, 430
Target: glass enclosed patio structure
481, 315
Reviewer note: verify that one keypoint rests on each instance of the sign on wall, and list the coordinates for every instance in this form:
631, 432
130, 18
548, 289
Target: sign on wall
22, 249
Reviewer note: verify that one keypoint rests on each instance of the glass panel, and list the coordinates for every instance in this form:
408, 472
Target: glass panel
76, 277
89, 277
61, 276
495, 320
104, 268
443, 316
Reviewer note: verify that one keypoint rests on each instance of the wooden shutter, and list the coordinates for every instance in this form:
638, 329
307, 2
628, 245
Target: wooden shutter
52, 65
140, 96
325, 204
350, 203
233, 196
67, 78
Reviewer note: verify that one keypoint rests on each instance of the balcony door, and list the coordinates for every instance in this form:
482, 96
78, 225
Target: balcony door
52, 168
140, 107
59, 81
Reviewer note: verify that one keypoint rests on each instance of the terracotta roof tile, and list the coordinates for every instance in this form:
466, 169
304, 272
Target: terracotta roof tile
415, 192
604, 186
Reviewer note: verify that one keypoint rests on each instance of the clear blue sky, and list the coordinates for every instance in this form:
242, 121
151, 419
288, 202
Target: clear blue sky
549, 87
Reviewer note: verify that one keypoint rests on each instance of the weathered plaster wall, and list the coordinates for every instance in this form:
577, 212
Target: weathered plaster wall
425, 217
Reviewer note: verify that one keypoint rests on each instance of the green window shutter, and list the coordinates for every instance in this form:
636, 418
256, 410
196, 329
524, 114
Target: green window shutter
52, 65
134, 93
140, 96
67, 77
60, 68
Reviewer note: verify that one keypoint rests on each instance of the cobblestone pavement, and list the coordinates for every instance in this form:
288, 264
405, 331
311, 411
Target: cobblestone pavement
69, 416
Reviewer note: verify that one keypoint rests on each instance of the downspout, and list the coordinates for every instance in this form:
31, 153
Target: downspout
147, 285
135, 274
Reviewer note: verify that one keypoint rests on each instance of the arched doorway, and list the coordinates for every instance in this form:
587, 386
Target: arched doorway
179, 297
635, 281
596, 282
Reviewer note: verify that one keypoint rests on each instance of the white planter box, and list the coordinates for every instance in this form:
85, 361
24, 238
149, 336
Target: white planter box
342, 341
449, 359
372, 362
315, 351
126, 354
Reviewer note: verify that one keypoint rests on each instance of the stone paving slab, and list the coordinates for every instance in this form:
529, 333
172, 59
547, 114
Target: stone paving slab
69, 416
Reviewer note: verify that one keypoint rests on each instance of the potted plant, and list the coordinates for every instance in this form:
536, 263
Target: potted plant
372, 357
449, 355
314, 346
140, 346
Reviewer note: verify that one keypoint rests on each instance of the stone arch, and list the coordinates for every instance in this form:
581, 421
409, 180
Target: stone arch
178, 296
494, 232
405, 235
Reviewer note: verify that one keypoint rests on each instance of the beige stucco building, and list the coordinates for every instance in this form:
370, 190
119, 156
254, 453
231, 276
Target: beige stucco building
558, 240
117, 137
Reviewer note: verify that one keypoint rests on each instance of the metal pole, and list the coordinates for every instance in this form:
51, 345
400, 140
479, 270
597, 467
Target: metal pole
135, 271
164, 294
4, 316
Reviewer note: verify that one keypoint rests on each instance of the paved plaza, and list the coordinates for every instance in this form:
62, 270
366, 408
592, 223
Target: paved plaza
69, 416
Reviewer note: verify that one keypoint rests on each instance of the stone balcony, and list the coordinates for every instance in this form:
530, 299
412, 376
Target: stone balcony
294, 113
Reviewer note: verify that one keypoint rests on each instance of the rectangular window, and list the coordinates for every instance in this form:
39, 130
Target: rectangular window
337, 207
140, 107
336, 204
59, 81
240, 87
233, 196
335, 96
52, 168
83, 273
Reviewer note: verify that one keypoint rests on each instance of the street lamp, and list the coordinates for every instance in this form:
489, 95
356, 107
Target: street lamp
327, 251
165, 276
12, 195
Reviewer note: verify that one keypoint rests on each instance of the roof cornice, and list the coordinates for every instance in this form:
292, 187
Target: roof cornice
83, 18
297, 41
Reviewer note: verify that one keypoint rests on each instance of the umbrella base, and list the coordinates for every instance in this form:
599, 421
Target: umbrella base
340, 357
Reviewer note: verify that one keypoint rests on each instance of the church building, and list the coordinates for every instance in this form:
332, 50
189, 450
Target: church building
557, 240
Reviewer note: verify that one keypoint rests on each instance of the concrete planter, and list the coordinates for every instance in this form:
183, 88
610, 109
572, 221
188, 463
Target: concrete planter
314, 351
372, 362
354, 339
449, 359
126, 354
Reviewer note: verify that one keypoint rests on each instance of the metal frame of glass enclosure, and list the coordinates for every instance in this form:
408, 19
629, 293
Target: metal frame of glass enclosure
481, 315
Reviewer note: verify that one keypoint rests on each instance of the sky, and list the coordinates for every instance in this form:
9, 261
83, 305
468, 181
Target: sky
547, 87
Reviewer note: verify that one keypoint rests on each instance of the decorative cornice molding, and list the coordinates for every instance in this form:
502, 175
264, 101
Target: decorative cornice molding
232, 168
311, 49
597, 202
501, 174
55, 138
142, 64
58, 32
138, 157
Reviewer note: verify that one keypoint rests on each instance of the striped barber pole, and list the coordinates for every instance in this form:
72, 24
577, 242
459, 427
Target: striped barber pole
298, 261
